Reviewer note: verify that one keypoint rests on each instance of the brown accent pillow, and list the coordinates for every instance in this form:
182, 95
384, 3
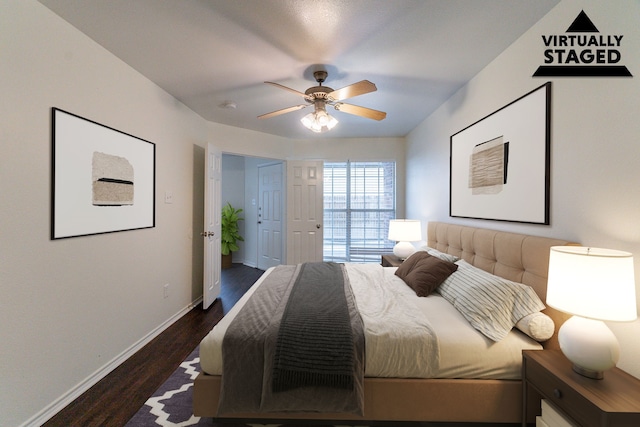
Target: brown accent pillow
424, 273
407, 265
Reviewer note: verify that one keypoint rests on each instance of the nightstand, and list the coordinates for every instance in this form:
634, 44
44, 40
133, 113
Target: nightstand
391, 261
548, 374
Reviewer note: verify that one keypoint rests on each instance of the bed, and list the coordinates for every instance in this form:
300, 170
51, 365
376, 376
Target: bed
490, 392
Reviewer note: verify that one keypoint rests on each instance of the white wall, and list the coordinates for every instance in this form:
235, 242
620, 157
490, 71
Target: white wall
72, 309
595, 146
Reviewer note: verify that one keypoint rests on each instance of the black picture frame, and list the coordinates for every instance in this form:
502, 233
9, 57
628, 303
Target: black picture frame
499, 165
103, 179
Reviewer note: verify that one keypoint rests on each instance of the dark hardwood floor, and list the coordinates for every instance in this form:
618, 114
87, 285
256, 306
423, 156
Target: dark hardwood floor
118, 396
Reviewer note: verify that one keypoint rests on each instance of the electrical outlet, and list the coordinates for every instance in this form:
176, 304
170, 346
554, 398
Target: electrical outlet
168, 197
166, 290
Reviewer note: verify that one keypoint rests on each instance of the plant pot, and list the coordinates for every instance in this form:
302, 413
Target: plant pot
226, 261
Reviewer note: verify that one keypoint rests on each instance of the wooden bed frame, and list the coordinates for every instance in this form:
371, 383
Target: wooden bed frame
516, 257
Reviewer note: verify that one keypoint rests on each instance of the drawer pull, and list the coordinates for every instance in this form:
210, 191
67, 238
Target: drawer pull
557, 393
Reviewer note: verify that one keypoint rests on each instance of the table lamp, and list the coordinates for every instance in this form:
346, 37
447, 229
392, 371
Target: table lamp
593, 284
404, 231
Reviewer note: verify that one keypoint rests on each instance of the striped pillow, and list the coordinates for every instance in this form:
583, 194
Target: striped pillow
491, 304
436, 253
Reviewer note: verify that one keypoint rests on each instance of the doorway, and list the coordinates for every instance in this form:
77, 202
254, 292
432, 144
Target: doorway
240, 187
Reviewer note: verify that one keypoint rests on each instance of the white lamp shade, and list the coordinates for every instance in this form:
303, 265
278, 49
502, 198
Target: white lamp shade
592, 282
405, 230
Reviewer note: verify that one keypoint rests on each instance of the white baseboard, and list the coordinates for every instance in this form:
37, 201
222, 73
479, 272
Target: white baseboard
57, 405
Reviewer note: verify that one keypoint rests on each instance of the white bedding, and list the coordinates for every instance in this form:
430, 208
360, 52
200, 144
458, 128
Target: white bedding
398, 325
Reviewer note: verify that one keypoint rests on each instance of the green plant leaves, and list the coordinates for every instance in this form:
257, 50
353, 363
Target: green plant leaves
230, 232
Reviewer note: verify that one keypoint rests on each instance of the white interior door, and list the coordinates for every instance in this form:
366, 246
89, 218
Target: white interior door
270, 216
304, 211
211, 234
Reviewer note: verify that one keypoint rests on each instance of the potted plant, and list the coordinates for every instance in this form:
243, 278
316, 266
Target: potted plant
230, 233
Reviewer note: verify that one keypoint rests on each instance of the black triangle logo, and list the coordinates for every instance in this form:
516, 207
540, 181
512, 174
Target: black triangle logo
582, 24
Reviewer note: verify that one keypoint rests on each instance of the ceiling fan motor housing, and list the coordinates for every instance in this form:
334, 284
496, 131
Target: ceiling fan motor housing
318, 92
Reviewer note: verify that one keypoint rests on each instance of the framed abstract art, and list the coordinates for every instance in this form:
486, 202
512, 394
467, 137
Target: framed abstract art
103, 180
500, 164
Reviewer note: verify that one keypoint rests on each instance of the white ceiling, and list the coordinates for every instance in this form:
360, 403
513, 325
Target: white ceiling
206, 52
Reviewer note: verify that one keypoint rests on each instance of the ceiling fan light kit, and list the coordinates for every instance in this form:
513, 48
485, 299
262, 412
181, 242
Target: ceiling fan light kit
319, 96
319, 121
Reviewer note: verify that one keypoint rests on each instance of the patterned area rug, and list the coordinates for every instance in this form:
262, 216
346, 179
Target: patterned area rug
171, 404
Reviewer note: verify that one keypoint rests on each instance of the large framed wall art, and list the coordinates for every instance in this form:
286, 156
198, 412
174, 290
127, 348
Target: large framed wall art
500, 164
103, 179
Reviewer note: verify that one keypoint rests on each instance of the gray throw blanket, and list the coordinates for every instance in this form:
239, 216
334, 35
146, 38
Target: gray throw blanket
249, 354
315, 342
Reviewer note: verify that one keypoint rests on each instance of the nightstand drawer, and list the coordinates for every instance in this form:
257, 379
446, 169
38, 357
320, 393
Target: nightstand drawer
610, 402
563, 397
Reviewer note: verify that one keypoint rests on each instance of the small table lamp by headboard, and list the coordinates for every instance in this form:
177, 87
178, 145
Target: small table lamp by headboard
593, 284
404, 231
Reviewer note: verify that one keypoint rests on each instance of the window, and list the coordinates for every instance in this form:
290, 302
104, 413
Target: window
359, 201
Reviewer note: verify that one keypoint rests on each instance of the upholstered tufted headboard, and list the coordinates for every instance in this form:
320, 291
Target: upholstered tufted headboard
517, 257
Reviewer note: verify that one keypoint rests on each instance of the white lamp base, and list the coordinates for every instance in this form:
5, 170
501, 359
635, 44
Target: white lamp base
403, 250
590, 345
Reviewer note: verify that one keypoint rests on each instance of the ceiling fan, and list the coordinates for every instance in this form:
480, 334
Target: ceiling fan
321, 96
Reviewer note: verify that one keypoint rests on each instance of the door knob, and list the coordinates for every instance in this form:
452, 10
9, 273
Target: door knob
318, 226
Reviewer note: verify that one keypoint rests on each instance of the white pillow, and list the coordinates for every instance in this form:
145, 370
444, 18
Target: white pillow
491, 304
538, 326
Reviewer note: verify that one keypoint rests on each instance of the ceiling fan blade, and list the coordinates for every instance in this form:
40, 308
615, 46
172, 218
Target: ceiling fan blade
369, 113
297, 92
283, 111
360, 88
